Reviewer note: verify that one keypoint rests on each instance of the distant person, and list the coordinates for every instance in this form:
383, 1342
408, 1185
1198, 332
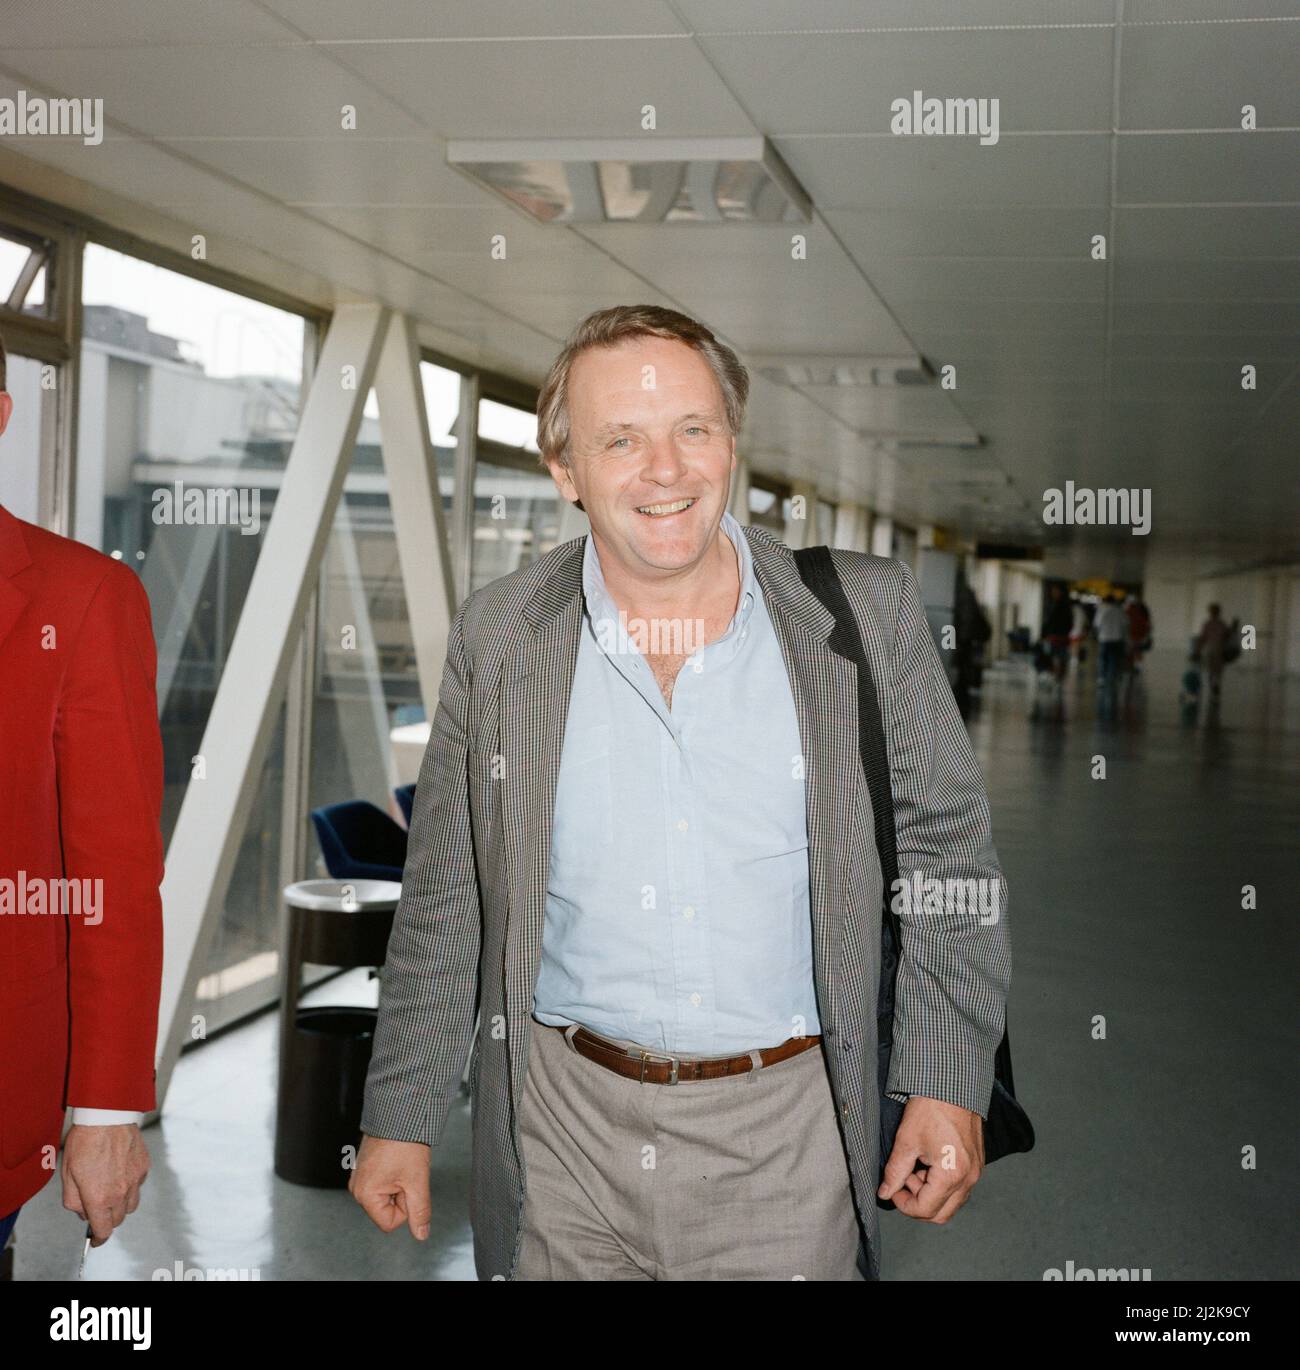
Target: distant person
972, 630
1111, 625
1080, 626
1211, 649
1057, 625
1139, 631
81, 858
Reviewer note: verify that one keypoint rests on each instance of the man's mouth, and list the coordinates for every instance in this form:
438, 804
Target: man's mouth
659, 511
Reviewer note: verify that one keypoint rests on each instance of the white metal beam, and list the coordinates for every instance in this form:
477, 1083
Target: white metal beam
738, 505
422, 547
213, 815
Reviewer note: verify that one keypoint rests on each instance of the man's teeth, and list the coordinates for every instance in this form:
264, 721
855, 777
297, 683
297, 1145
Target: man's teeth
676, 507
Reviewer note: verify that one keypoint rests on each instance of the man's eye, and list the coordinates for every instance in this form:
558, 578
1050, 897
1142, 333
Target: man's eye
695, 428
616, 441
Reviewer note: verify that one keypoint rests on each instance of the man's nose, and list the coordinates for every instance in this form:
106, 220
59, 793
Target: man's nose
663, 464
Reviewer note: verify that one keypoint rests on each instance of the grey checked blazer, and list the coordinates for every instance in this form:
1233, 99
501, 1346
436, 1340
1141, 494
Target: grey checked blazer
467, 934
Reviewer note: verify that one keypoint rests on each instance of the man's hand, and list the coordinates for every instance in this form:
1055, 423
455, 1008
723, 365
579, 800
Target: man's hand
391, 1182
103, 1169
949, 1141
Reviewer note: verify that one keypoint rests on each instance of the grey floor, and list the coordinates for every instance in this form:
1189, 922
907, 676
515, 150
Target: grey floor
1125, 909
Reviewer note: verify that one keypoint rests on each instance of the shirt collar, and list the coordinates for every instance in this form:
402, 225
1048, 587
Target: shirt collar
601, 607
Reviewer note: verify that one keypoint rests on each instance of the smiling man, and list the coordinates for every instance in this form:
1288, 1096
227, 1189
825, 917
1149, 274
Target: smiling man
647, 858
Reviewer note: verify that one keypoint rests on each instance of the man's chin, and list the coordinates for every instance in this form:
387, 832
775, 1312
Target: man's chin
669, 551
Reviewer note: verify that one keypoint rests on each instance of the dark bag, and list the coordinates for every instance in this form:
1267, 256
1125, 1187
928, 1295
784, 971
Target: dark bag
1007, 1129
1232, 643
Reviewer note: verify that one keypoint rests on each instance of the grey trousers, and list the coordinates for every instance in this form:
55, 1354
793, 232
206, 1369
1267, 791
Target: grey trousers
744, 1178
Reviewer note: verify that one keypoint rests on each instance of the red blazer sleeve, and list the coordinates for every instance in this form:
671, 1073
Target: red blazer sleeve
108, 754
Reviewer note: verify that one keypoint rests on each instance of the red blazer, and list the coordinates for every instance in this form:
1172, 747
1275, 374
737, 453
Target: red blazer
80, 798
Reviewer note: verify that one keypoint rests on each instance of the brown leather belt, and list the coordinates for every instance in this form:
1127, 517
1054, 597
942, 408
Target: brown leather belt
662, 1068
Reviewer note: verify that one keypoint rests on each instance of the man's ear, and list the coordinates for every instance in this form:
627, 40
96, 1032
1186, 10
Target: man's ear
563, 479
6, 408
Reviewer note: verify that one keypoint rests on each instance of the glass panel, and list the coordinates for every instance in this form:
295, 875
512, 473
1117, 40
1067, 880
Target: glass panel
20, 460
511, 427
825, 522
189, 406
516, 504
442, 404
366, 680
24, 259
764, 511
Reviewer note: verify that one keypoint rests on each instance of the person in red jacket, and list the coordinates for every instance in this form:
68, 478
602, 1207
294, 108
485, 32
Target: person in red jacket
81, 860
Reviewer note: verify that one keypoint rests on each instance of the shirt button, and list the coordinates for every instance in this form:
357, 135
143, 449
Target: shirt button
696, 1000
682, 825
688, 911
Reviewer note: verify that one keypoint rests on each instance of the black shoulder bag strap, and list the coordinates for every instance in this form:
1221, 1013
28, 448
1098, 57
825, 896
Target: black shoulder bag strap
1007, 1128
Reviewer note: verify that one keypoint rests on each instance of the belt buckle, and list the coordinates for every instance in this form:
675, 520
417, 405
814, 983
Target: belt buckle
674, 1061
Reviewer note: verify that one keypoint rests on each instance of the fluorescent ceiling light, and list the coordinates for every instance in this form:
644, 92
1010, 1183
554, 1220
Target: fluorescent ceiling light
637, 180
842, 370
960, 444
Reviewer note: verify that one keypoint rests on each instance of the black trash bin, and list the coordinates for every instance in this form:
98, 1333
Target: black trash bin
325, 1051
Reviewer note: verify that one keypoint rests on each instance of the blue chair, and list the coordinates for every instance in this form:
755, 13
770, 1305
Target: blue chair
360, 841
405, 796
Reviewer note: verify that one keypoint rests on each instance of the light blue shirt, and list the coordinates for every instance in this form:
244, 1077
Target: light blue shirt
677, 912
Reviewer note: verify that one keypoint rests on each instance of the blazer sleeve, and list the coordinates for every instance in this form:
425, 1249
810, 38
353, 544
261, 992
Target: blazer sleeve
429, 995
109, 762
955, 969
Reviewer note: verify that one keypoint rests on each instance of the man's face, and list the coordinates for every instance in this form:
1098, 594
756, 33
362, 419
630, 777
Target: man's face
651, 455
6, 408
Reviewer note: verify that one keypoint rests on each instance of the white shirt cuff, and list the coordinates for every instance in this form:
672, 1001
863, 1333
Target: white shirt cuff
103, 1117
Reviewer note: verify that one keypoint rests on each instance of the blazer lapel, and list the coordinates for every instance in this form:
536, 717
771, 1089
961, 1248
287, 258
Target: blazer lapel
537, 680
14, 557
825, 690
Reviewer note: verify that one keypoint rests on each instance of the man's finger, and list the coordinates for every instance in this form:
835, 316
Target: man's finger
72, 1196
933, 1195
103, 1218
901, 1163
385, 1207
421, 1214
955, 1201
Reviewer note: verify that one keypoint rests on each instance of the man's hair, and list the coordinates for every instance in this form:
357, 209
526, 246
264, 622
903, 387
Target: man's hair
4, 364
608, 328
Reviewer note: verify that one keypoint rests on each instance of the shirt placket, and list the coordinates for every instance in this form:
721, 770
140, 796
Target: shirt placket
694, 999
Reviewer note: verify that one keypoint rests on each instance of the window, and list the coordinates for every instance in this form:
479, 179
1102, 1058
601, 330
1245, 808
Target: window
516, 505
825, 522
765, 509
23, 441
26, 262
189, 405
